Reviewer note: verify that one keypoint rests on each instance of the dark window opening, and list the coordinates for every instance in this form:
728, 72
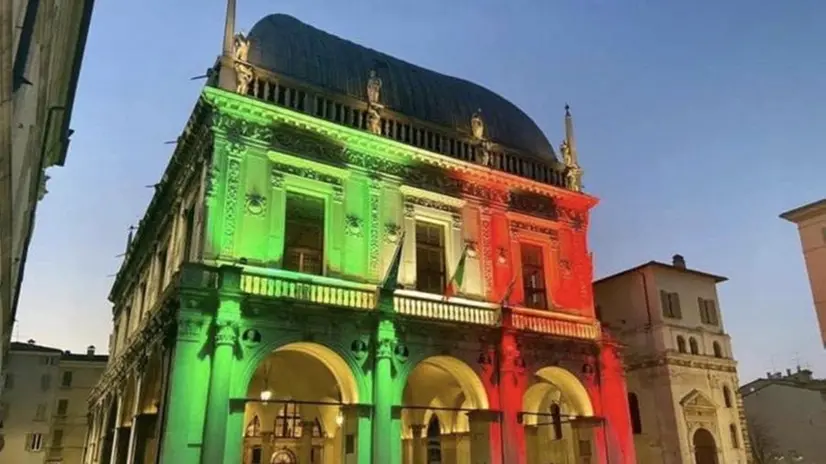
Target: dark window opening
304, 234
692, 345
718, 352
727, 397
533, 277
634, 410
680, 344
430, 257
66, 381
556, 421
670, 305
288, 423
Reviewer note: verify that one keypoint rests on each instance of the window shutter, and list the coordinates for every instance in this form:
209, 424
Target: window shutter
675, 305
702, 305
712, 312
666, 304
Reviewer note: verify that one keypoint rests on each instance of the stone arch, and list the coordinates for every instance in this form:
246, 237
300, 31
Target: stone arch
334, 357
551, 379
468, 394
705, 446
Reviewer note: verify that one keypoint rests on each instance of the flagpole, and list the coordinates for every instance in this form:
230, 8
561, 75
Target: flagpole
459, 268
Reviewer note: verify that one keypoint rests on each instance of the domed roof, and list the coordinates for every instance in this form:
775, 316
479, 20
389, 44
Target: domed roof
287, 46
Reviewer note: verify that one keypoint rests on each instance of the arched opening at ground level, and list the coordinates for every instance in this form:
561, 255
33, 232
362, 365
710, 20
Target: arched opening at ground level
439, 398
300, 408
705, 447
558, 418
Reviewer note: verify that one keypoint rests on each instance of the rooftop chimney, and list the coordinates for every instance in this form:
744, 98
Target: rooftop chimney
31, 341
678, 261
90, 350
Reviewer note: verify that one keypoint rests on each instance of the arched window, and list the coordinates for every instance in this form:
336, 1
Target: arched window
680, 344
735, 441
556, 421
634, 410
254, 427
288, 423
718, 352
692, 345
727, 396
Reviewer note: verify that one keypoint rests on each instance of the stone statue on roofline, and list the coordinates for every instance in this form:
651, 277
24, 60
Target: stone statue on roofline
241, 47
373, 88
477, 125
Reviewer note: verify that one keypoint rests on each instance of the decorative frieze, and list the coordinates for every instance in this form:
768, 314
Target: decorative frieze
256, 204
518, 226
305, 172
375, 218
233, 185
353, 226
226, 333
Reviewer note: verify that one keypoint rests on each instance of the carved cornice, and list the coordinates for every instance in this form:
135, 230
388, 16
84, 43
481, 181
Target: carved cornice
302, 134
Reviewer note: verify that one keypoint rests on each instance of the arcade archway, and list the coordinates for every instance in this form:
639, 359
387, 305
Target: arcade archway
705, 448
298, 410
558, 416
439, 394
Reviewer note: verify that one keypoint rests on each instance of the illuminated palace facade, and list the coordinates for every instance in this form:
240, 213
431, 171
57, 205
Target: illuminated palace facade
351, 259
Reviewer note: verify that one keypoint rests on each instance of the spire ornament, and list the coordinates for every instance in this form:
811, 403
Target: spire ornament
241, 47
573, 173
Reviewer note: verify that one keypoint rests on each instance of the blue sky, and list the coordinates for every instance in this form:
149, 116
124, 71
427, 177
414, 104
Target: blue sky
697, 124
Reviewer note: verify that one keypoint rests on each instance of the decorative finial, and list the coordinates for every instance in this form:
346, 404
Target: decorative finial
130, 237
573, 173
373, 88
477, 125
567, 110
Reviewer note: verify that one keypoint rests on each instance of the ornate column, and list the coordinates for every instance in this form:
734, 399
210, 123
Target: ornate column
355, 441
511, 388
116, 432
383, 394
103, 433
334, 237
480, 439
305, 447
417, 444
184, 400
226, 335
136, 409
407, 276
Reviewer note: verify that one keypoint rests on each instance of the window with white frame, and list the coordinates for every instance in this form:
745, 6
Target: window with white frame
34, 442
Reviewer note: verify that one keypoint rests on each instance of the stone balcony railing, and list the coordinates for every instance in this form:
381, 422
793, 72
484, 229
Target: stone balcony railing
311, 289
426, 305
555, 323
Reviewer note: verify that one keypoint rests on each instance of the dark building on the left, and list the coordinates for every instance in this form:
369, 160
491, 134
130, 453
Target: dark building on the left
41, 49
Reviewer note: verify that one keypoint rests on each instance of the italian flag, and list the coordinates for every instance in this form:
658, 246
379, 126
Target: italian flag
454, 285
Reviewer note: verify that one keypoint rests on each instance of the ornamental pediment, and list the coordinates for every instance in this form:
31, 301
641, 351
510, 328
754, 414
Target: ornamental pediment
696, 400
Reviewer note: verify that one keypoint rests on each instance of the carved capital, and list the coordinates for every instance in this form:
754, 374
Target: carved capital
190, 328
338, 193
276, 179
226, 333
385, 347
409, 209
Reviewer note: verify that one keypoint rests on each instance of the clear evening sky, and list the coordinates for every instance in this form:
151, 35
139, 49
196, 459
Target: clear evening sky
697, 124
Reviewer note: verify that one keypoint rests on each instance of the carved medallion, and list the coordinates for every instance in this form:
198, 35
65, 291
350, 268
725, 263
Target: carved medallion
256, 204
353, 225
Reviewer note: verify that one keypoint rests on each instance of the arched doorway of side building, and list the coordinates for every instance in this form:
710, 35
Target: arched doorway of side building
557, 415
439, 394
301, 414
705, 448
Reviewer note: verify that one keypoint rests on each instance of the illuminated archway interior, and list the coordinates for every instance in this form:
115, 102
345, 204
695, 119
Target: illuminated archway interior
439, 393
554, 408
298, 413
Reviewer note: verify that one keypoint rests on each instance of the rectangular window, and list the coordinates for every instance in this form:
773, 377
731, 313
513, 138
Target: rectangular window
62, 407
430, 257
708, 311
189, 226
670, 302
304, 234
40, 412
34, 442
533, 276
162, 271
57, 439
66, 380
45, 382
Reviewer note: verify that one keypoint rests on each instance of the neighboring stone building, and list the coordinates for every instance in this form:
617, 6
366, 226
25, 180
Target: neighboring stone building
41, 48
346, 261
44, 410
811, 224
786, 417
681, 374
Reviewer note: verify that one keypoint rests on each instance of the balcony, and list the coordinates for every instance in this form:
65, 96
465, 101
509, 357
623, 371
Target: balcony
555, 323
430, 306
308, 288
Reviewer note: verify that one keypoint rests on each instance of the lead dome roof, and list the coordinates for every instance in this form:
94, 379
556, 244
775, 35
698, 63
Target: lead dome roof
287, 46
